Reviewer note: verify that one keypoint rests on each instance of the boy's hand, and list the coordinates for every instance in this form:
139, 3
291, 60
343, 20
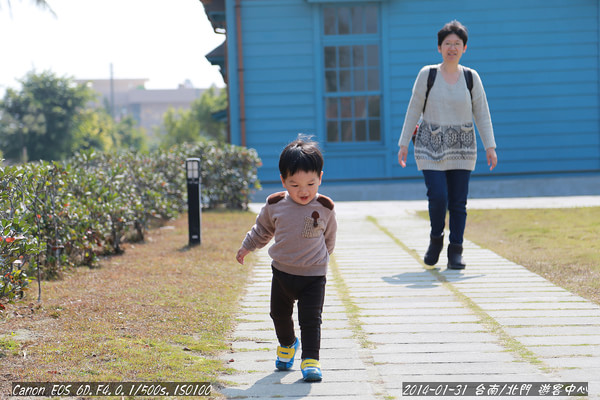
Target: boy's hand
242, 252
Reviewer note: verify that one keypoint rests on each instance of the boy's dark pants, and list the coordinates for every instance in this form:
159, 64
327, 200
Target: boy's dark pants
310, 293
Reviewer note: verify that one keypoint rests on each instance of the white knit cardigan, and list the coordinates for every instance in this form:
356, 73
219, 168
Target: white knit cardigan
446, 137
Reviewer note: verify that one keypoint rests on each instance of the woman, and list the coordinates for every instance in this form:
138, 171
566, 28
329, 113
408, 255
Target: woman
445, 145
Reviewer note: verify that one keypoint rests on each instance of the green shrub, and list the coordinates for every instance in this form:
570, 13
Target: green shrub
18, 244
58, 215
228, 173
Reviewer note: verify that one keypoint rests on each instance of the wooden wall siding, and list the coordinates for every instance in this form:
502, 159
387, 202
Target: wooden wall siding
280, 76
539, 63
538, 59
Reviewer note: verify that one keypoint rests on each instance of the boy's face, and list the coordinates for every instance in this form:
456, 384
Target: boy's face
302, 186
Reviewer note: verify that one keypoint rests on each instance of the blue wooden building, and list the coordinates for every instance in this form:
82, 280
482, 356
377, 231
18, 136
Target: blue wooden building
343, 72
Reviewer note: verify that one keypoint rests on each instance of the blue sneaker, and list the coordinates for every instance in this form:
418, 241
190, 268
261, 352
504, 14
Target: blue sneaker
285, 356
311, 370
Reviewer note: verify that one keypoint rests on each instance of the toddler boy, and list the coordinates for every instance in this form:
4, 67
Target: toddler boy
303, 224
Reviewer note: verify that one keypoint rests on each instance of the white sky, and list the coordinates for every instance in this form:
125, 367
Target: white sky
164, 41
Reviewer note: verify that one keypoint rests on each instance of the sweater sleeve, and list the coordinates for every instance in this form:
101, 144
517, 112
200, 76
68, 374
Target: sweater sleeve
415, 107
262, 231
481, 113
330, 233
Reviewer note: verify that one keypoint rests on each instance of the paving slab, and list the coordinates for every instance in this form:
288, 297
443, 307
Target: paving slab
410, 348
569, 330
565, 304
588, 313
567, 351
493, 322
443, 357
438, 318
421, 329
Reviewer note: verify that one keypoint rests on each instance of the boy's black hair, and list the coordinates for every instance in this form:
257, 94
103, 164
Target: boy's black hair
453, 27
300, 155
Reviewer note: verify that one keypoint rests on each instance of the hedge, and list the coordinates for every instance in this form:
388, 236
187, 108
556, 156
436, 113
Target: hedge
63, 214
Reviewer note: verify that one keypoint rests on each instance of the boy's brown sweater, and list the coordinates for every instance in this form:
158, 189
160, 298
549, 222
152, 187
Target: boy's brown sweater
304, 234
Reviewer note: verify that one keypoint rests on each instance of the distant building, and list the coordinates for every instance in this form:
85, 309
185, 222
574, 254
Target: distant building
343, 71
123, 97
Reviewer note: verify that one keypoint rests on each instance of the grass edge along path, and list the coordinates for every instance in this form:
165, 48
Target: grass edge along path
506, 340
351, 309
161, 312
353, 313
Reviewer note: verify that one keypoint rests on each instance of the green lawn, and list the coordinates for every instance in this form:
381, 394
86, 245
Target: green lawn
561, 245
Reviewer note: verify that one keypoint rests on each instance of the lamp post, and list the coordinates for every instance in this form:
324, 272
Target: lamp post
192, 172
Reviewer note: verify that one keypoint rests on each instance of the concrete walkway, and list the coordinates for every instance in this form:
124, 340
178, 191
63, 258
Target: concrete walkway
387, 320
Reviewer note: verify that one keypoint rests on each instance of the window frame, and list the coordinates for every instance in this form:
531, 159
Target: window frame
352, 41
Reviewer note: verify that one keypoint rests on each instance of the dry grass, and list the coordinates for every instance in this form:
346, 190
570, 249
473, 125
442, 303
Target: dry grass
160, 312
561, 245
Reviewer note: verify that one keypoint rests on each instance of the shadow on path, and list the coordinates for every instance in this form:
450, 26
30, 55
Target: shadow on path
425, 279
272, 386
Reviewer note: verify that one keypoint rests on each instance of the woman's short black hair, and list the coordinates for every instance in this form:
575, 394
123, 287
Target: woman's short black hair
453, 27
300, 155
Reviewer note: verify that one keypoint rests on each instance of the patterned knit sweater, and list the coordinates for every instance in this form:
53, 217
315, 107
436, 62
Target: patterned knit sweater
446, 137
304, 234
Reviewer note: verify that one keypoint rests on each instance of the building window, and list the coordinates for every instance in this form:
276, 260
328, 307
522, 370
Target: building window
351, 55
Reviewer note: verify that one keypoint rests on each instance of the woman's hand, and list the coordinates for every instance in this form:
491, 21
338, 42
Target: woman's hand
492, 158
402, 153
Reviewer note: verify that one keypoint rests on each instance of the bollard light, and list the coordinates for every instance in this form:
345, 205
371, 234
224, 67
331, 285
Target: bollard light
192, 171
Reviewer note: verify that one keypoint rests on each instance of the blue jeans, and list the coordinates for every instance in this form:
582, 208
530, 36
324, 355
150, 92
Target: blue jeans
448, 190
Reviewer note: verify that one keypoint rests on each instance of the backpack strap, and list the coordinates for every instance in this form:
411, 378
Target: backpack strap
469, 80
430, 81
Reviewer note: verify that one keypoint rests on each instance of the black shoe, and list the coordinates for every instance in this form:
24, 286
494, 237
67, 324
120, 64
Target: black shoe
433, 251
455, 259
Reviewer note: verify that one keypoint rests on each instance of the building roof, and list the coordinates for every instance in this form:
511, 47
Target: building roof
215, 11
217, 54
217, 57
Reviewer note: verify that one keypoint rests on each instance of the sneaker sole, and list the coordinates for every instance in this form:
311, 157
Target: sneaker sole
313, 378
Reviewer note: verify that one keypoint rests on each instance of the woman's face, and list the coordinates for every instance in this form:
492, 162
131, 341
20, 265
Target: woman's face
452, 48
